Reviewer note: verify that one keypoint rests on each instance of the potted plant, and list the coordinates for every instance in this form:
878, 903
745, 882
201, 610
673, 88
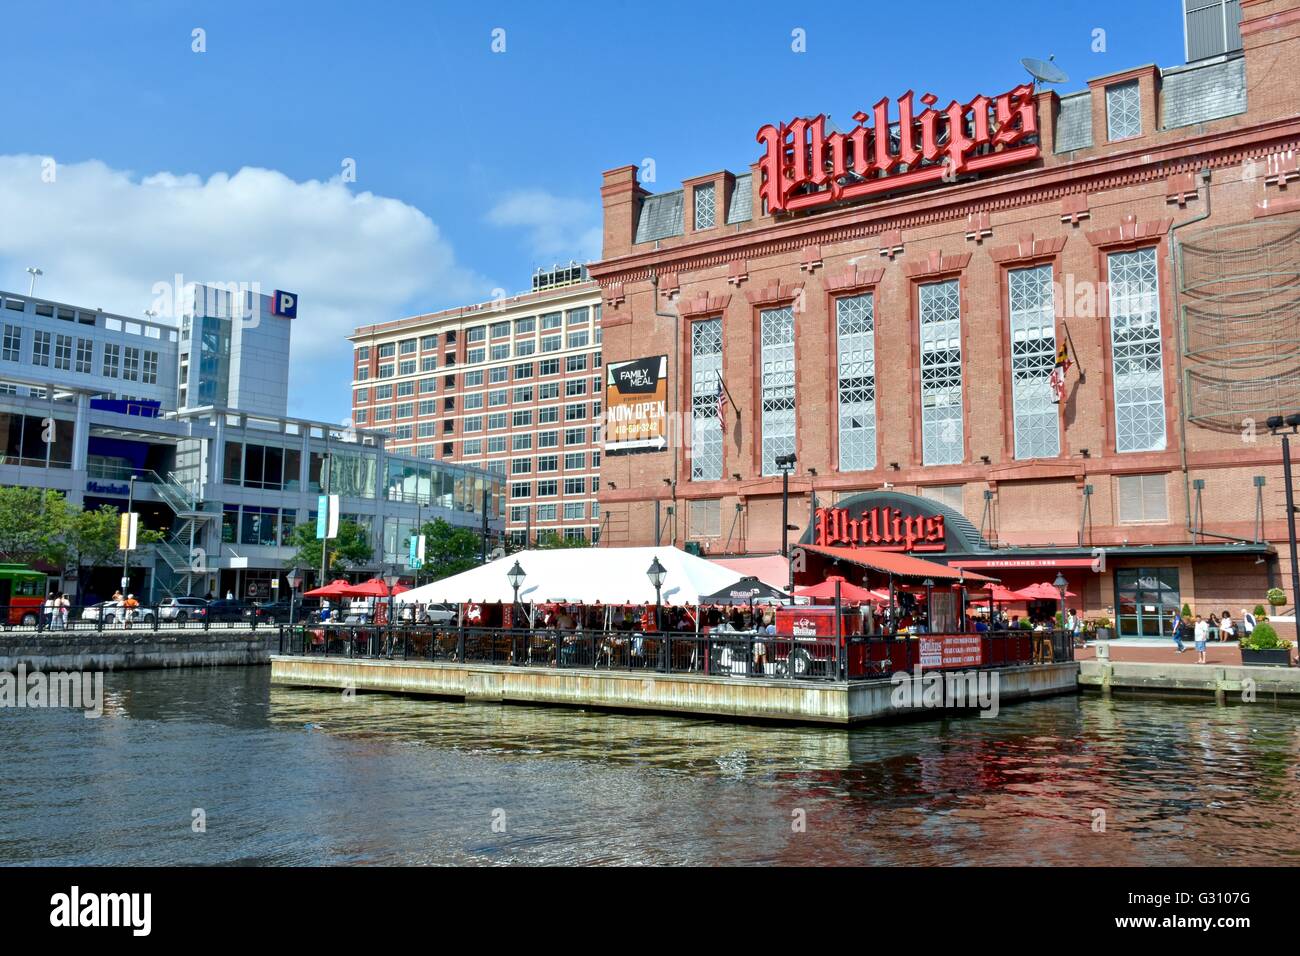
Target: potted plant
1260, 613
1262, 647
1102, 628
1276, 597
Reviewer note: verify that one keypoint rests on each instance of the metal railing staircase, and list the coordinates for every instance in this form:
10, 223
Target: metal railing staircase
183, 562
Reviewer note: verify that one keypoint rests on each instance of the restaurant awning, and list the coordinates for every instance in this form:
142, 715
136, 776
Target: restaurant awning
899, 565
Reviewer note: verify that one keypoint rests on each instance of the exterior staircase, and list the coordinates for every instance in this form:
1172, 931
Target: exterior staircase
181, 561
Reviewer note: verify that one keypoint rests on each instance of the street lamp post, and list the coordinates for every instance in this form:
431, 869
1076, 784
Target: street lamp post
786, 464
1060, 584
126, 552
1275, 426
656, 573
391, 579
515, 577
295, 581
929, 604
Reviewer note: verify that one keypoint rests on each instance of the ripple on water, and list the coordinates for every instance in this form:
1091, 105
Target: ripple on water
290, 776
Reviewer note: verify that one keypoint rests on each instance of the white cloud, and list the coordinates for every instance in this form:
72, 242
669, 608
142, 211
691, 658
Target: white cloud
105, 236
557, 229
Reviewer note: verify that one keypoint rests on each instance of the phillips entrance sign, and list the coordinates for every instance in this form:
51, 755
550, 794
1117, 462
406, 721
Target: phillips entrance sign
804, 166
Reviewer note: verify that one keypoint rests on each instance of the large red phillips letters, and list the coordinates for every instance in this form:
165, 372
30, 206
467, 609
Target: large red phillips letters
805, 166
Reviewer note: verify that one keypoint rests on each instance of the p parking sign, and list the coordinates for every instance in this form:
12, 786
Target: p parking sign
284, 304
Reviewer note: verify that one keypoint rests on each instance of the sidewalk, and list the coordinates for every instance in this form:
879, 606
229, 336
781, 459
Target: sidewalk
1160, 652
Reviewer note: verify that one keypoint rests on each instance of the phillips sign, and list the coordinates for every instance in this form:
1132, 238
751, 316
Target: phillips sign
804, 166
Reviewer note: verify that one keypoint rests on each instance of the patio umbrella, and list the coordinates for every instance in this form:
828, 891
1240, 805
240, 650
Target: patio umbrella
375, 587
335, 589
1004, 595
848, 592
745, 591
1040, 592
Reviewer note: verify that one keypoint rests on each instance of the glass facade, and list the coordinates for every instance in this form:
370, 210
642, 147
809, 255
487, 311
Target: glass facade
1033, 356
1145, 599
776, 361
941, 399
1137, 362
706, 426
855, 327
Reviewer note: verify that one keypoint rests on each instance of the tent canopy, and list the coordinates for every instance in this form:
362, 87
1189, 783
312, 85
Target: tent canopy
581, 576
744, 591
895, 563
1041, 592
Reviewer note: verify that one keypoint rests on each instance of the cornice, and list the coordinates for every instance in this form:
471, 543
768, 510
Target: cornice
1010, 191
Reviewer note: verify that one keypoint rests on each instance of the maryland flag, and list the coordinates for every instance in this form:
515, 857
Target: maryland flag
1057, 379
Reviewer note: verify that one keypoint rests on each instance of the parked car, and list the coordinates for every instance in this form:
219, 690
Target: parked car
268, 612
225, 611
182, 609
112, 612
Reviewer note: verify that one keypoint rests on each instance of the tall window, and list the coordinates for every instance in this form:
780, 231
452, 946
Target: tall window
1033, 355
85, 355
13, 343
855, 329
112, 359
941, 408
776, 341
1123, 110
706, 426
63, 352
41, 349
1135, 351
706, 216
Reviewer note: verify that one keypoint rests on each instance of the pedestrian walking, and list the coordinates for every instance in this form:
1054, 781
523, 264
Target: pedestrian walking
1202, 635
1179, 630
47, 610
61, 611
128, 610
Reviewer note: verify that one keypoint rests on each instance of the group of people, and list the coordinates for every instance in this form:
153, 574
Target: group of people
54, 612
1198, 630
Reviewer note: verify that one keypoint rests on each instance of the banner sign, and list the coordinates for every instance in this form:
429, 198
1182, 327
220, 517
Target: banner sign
126, 531
804, 166
327, 516
636, 405
951, 650
415, 559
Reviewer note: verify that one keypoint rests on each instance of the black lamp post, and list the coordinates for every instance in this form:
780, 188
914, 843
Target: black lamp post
516, 577
786, 464
294, 578
1275, 426
1061, 584
929, 605
656, 573
391, 579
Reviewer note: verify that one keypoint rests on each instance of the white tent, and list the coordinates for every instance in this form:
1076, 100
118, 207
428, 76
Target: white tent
581, 576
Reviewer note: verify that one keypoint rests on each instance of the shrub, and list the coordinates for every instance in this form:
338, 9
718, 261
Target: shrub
1264, 638
1187, 612
1259, 612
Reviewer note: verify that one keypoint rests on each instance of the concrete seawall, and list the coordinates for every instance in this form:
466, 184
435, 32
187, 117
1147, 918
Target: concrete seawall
1214, 680
136, 649
816, 702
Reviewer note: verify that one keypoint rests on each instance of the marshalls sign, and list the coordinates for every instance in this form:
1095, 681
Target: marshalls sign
636, 405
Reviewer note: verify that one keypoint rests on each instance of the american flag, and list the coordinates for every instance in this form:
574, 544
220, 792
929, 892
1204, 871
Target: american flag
721, 399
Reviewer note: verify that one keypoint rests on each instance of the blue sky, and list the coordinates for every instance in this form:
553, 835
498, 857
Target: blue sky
472, 167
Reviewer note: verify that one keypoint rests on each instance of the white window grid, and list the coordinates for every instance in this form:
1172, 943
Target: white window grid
1035, 420
706, 428
776, 371
1137, 361
941, 399
855, 321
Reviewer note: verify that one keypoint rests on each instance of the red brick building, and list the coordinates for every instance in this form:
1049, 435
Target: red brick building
891, 310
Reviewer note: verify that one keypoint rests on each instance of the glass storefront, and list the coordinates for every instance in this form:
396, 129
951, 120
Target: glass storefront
1145, 600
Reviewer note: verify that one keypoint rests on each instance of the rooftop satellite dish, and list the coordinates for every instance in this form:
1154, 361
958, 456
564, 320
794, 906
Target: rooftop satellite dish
1044, 71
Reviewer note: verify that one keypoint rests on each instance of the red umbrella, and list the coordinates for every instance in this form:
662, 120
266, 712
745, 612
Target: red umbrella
1040, 592
826, 591
335, 589
376, 587
1003, 595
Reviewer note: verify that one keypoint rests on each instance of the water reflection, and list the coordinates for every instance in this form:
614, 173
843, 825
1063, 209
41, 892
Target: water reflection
296, 776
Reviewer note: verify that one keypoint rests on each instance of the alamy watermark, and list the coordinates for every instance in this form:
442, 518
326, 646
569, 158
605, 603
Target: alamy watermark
939, 690
78, 690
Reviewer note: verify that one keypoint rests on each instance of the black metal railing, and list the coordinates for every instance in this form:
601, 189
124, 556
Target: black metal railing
115, 618
717, 654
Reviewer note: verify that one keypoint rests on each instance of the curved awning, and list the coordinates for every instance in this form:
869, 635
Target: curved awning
899, 565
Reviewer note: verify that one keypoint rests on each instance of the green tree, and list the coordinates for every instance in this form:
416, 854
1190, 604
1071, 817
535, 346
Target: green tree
550, 540
32, 524
90, 538
449, 549
351, 548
